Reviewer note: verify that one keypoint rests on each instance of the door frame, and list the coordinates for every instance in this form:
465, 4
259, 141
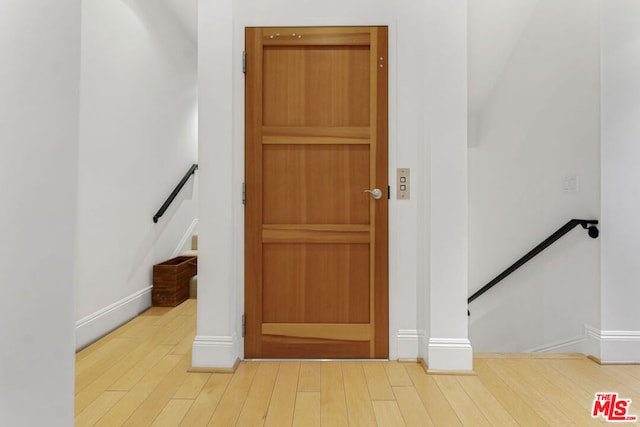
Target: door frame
396, 337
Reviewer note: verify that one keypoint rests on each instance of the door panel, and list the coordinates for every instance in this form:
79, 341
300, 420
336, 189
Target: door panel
316, 86
315, 283
314, 196
316, 244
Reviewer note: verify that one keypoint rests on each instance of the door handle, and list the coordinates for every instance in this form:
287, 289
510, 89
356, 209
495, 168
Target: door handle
376, 193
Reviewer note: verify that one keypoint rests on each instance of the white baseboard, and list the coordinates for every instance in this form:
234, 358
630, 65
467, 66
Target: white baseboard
186, 237
570, 345
592, 341
409, 342
449, 354
215, 352
98, 324
614, 346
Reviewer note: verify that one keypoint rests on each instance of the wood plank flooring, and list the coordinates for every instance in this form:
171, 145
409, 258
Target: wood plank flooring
138, 376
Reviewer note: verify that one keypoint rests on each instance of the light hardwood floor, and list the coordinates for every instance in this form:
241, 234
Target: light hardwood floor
138, 376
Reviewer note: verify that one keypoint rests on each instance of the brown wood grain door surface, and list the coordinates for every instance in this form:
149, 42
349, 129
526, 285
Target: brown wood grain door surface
316, 244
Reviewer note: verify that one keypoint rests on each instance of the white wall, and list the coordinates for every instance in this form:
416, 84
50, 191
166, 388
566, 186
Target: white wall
495, 27
540, 123
620, 333
221, 144
40, 57
138, 137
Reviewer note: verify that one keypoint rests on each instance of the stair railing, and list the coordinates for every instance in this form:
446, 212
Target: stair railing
174, 193
587, 224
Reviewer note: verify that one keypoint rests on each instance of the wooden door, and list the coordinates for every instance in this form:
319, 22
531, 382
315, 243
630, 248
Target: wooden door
316, 248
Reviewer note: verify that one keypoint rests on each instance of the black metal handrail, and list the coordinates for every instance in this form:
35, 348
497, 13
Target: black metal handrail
174, 193
588, 224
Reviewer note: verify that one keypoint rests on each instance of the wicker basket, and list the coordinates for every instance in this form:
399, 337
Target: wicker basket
171, 280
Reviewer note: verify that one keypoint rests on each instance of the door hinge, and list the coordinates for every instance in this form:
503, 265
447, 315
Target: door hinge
244, 61
244, 326
244, 193
388, 192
